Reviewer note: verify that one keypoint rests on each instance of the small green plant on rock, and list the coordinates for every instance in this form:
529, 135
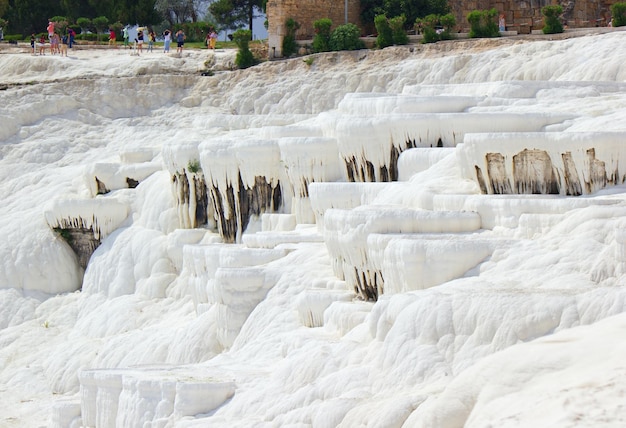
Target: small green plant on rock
194, 166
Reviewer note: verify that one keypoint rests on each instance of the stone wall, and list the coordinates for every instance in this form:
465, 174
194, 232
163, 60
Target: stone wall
305, 12
522, 16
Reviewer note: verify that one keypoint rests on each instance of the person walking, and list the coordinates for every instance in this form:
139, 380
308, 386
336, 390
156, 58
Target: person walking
167, 39
180, 40
125, 34
72, 34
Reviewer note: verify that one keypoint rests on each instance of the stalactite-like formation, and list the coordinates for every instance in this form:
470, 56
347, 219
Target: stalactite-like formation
498, 178
597, 172
534, 174
81, 235
572, 180
82, 241
191, 199
102, 189
234, 213
368, 284
363, 170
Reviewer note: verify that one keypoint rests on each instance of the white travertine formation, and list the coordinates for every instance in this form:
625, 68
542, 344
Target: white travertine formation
482, 309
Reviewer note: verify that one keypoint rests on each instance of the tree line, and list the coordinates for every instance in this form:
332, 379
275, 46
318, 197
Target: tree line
32, 16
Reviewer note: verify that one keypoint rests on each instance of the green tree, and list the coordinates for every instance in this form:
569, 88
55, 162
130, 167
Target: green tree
84, 24
30, 16
235, 13
141, 12
223, 11
177, 11
101, 23
4, 8
73, 9
369, 10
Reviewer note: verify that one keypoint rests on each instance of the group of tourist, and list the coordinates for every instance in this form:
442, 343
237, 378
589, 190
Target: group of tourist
57, 44
151, 37
211, 39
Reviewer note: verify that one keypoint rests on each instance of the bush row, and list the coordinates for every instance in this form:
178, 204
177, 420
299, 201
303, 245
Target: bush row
345, 37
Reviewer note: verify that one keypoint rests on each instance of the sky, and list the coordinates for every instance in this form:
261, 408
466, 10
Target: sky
492, 310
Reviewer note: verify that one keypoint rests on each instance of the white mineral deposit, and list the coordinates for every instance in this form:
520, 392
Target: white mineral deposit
420, 236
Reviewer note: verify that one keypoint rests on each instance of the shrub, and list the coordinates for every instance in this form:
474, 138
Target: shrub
483, 23
385, 35
290, 46
346, 38
321, 41
618, 11
13, 37
397, 28
436, 28
552, 21
244, 58
89, 37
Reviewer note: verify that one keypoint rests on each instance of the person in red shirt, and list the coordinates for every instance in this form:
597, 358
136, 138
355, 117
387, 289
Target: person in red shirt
112, 37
